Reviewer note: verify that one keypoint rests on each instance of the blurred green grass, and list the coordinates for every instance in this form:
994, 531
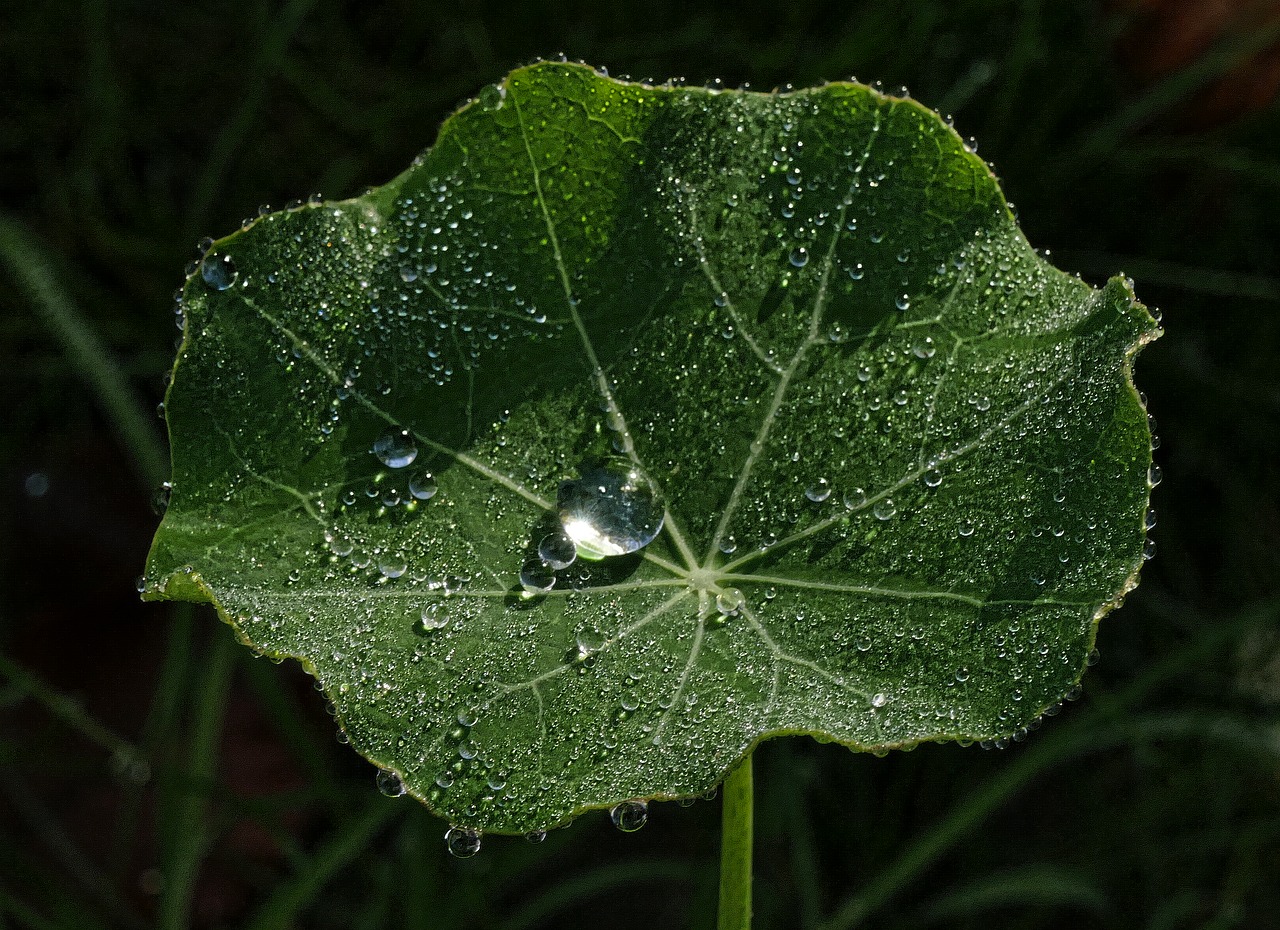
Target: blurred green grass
154, 775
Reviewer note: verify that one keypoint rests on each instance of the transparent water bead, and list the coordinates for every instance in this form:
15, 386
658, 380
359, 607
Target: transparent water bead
630, 816
536, 577
395, 449
610, 510
461, 842
423, 486
557, 551
218, 271
435, 616
389, 783
730, 601
819, 491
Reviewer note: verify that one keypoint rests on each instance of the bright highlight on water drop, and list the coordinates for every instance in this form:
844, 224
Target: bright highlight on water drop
611, 510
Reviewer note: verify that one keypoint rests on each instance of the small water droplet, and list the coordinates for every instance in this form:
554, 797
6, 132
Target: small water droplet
392, 567
1155, 474
535, 836
932, 478
879, 699
557, 551
630, 816
395, 449
819, 491
730, 601
966, 528
1151, 518
799, 256
925, 347
159, 497
903, 301
855, 499
962, 675
1149, 549
423, 485
389, 783
461, 842
536, 577
884, 509
218, 271
856, 273
435, 616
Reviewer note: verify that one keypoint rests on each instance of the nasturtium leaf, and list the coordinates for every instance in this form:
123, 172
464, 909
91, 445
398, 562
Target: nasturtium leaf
423, 440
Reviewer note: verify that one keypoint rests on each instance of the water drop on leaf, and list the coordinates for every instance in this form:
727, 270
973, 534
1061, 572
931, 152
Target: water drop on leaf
611, 510
630, 816
395, 449
536, 577
819, 491
461, 842
218, 271
423, 486
389, 783
557, 551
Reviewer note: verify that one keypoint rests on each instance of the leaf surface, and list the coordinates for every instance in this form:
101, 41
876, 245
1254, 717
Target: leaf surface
898, 462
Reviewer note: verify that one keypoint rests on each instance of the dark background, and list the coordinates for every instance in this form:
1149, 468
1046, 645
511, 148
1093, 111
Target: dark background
151, 777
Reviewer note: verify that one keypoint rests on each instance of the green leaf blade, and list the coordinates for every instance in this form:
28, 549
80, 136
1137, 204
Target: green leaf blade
903, 463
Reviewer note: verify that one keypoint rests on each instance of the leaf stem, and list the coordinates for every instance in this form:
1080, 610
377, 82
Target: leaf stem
735, 849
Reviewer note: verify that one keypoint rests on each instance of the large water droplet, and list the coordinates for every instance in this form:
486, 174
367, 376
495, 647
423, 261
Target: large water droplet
630, 816
610, 510
799, 256
461, 842
395, 449
884, 509
218, 271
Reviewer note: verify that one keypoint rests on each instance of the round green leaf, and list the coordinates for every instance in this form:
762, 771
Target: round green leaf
895, 462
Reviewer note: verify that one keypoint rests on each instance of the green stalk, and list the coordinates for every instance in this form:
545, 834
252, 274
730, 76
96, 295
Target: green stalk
735, 849
85, 351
